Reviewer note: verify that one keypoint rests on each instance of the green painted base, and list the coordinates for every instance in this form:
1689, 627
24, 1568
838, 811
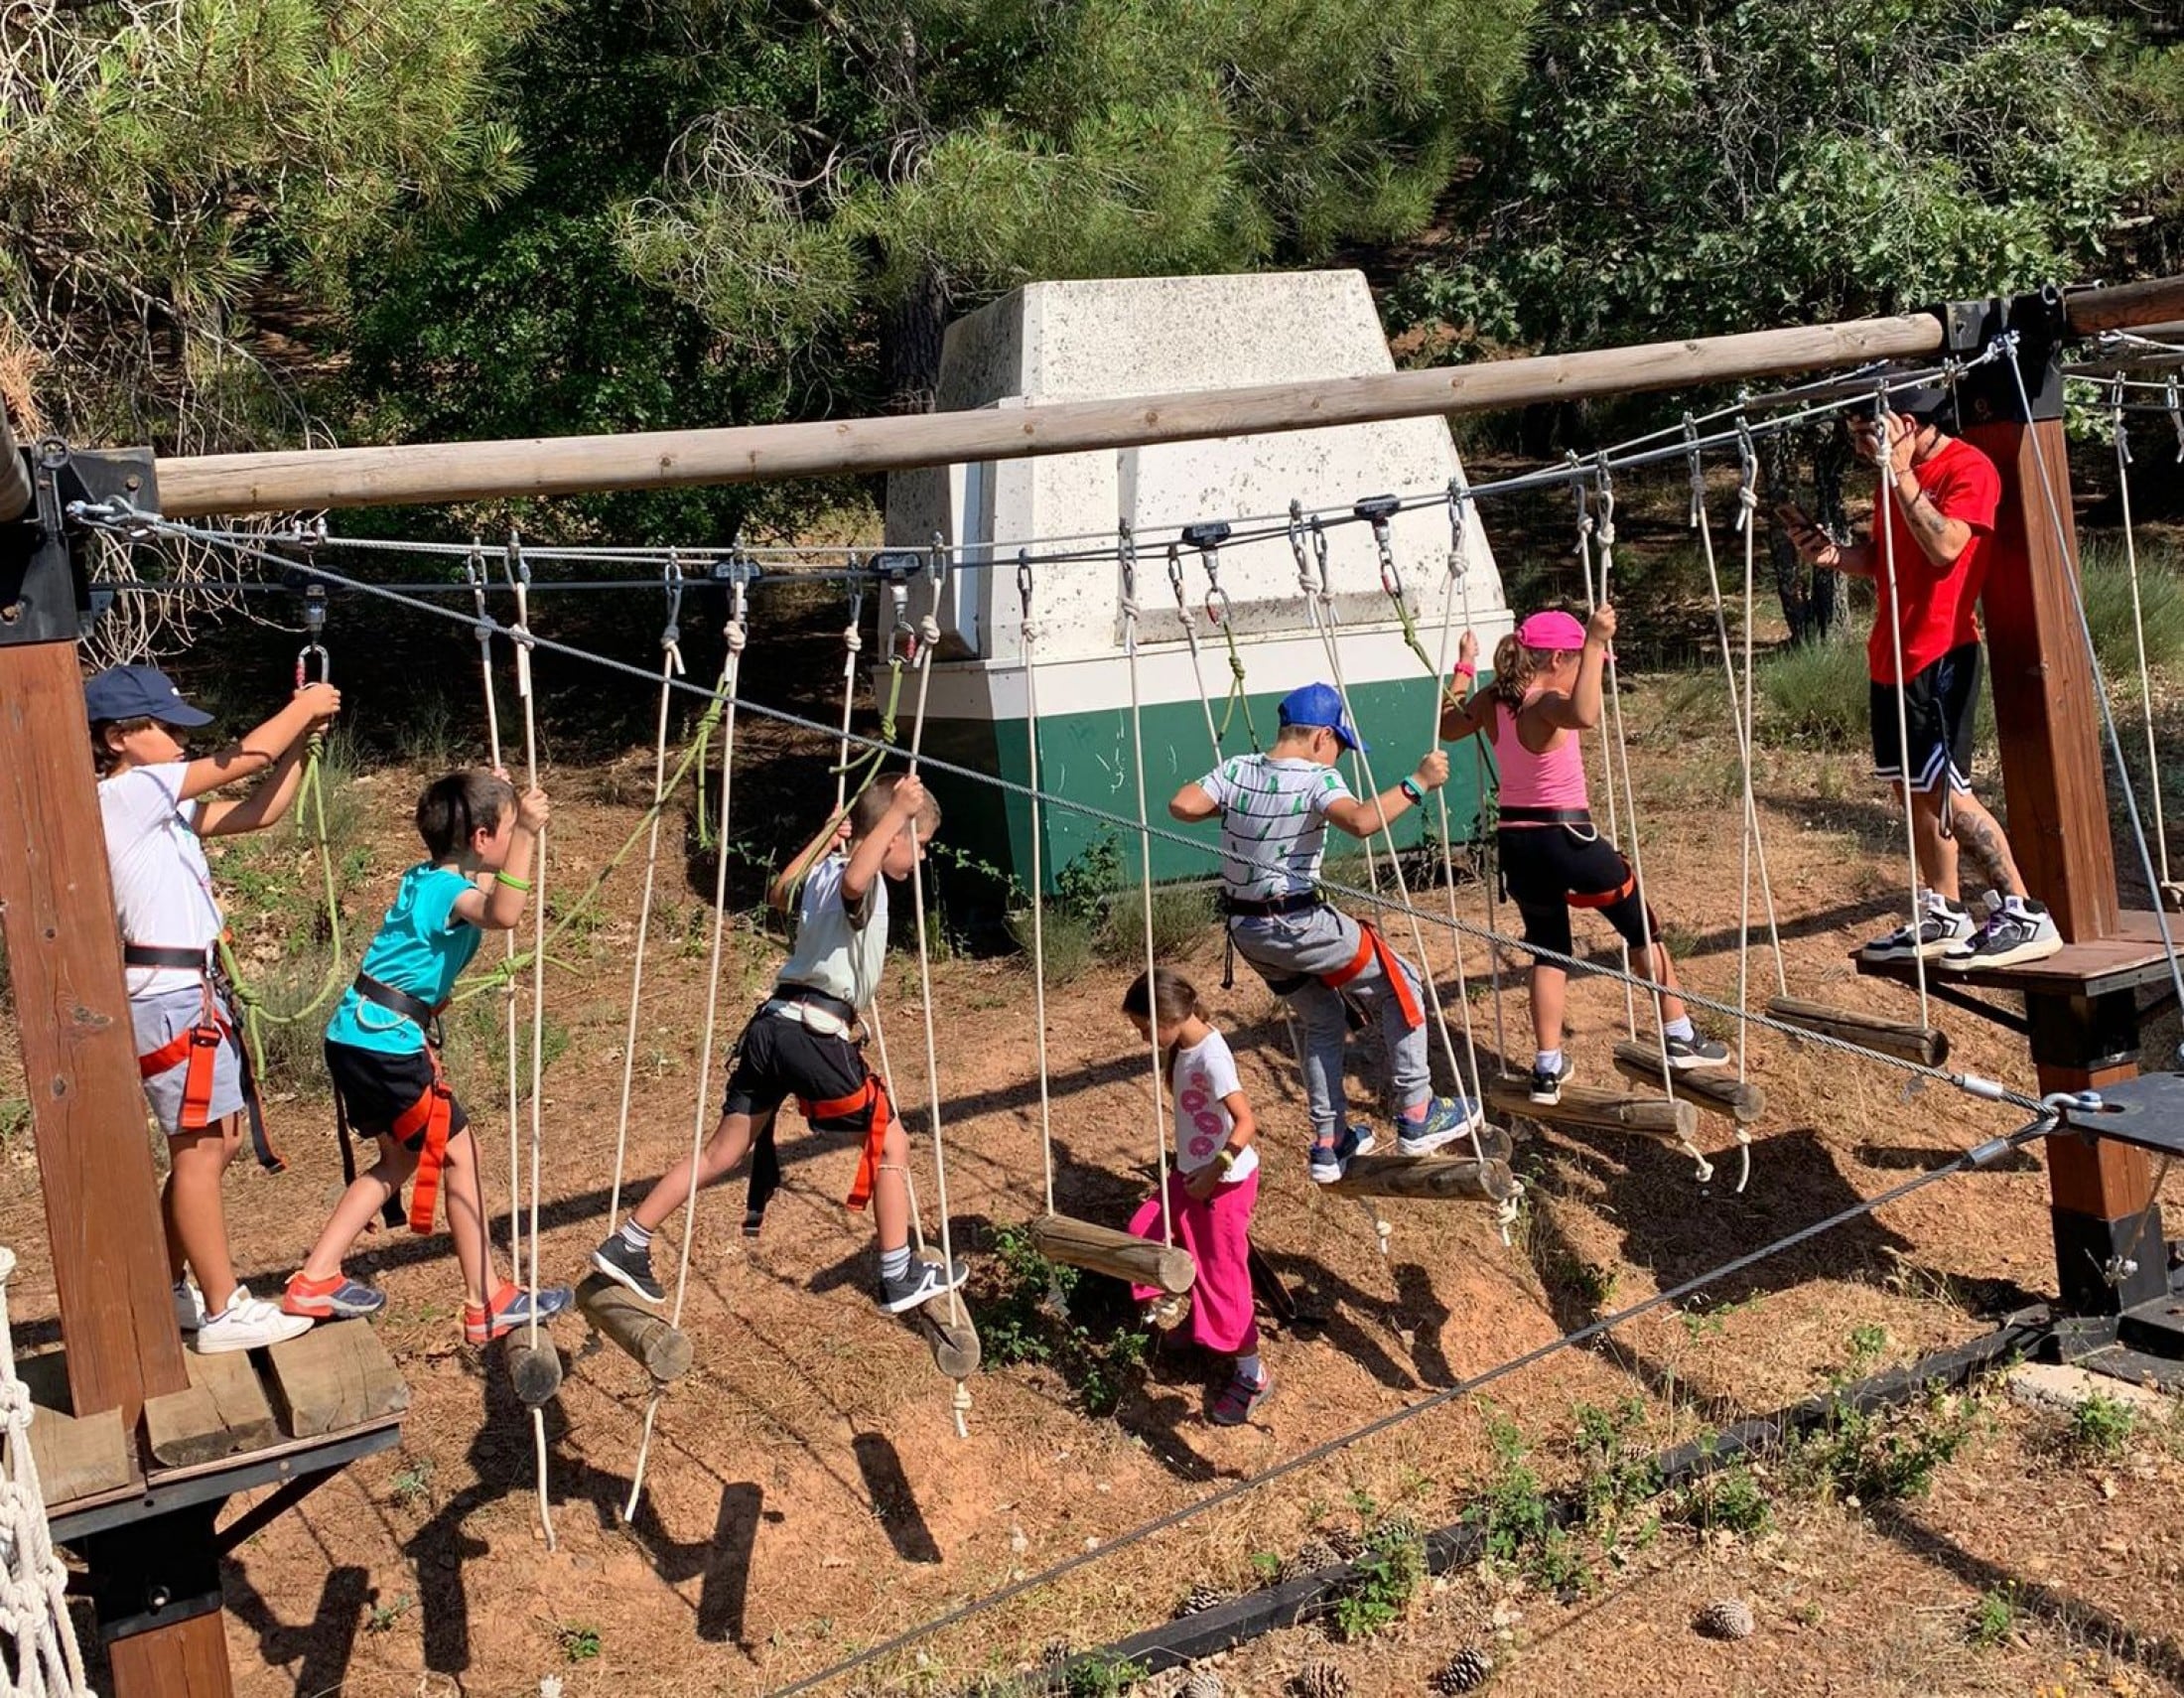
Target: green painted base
1086, 768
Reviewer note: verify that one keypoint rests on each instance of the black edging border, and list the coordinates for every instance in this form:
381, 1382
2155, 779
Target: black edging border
1255, 1614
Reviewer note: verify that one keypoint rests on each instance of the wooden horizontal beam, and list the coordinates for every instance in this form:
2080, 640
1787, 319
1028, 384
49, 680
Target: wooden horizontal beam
1591, 1108
624, 1320
1119, 1256
1429, 1178
1714, 1090
1905, 1039
2154, 304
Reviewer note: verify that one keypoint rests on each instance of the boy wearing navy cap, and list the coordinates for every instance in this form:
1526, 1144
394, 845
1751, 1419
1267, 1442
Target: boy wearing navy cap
191, 1060
1274, 810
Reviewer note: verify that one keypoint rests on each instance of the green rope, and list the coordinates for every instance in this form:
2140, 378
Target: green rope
1238, 695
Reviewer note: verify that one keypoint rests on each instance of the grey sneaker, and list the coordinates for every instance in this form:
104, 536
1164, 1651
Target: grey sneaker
1697, 1051
2017, 929
924, 1281
1329, 1162
1447, 1118
1943, 927
1547, 1088
629, 1268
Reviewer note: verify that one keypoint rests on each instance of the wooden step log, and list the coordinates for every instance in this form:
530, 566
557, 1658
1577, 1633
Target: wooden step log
535, 1372
1437, 1178
633, 1327
2172, 897
222, 1411
336, 1376
1119, 1256
1715, 1090
1904, 1039
1591, 1108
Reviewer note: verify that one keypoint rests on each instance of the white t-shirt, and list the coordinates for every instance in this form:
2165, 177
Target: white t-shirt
1274, 822
163, 889
1203, 1077
838, 952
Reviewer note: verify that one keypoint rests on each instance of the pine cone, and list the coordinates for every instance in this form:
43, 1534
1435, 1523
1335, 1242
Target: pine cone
1200, 1598
1202, 1684
1311, 1556
1466, 1671
1056, 1653
1726, 1618
1348, 1542
1320, 1680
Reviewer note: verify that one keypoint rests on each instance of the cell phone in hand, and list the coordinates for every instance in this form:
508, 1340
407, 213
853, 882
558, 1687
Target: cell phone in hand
1791, 517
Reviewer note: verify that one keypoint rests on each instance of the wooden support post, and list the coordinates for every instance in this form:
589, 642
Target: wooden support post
634, 1327
1591, 1109
1432, 1178
1905, 1039
1119, 1256
1711, 1090
2107, 1222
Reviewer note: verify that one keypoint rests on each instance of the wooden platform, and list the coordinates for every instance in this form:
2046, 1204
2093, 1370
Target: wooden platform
2121, 963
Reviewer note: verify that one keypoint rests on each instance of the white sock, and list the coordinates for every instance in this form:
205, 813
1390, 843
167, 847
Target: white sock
1683, 1029
895, 1263
1251, 1368
636, 1236
1548, 1061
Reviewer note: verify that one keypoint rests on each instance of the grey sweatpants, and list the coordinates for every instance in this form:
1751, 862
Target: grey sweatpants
1325, 939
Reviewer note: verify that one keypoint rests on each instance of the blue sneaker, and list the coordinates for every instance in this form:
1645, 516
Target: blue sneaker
1331, 1160
510, 1308
1447, 1118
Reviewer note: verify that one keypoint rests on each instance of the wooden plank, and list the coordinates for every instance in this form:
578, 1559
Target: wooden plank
72, 1017
1433, 1179
1591, 1109
950, 1331
2076, 969
1120, 1255
1714, 1090
1906, 1039
633, 1327
228, 1381
336, 1376
183, 1428
81, 1457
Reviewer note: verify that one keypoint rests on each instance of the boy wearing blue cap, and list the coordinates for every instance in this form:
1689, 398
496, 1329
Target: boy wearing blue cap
191, 1060
1274, 810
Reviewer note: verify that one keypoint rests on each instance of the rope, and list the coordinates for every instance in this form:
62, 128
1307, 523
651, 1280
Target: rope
1979, 1155
519, 634
1128, 551
1190, 636
734, 636
1586, 527
1971, 1084
1038, 878
1459, 496
1885, 522
2138, 633
34, 1604
929, 634
1320, 607
1606, 540
671, 667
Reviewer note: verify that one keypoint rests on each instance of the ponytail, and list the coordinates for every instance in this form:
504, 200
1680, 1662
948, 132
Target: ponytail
1514, 669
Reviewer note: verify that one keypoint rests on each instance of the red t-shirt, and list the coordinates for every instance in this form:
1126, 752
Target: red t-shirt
1936, 605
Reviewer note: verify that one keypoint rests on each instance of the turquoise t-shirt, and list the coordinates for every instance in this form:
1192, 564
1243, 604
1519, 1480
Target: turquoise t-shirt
421, 948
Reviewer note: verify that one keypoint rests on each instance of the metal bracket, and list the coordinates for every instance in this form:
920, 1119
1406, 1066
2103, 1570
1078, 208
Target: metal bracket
45, 571
1987, 394
2147, 1112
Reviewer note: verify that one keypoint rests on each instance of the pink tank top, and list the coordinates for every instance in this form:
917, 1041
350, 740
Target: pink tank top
1556, 779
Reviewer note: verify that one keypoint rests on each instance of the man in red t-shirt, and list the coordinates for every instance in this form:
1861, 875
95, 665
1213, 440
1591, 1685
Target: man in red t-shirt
1935, 527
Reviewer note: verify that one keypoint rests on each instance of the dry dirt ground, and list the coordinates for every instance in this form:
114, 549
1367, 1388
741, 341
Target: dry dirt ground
808, 1497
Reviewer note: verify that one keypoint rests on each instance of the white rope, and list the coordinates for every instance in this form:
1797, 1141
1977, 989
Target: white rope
1320, 607
1492, 861
1038, 881
34, 1604
1585, 530
1190, 636
2139, 632
671, 669
1457, 567
928, 638
1885, 522
519, 578
734, 636
1128, 556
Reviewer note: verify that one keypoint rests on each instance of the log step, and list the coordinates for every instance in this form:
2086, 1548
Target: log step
1904, 1039
1443, 1179
77, 1456
223, 1411
1119, 1256
336, 1376
1589, 1108
1715, 1090
634, 1327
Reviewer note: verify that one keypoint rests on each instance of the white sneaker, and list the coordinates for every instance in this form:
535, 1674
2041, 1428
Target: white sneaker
248, 1323
188, 1306
2017, 929
1943, 927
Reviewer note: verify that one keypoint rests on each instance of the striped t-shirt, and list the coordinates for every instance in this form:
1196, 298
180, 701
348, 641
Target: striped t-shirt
1274, 822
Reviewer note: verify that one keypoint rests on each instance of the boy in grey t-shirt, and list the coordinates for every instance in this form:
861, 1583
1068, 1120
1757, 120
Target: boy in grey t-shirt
1274, 810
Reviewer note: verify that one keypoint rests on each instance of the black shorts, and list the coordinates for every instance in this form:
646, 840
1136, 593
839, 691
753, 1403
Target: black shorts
1548, 870
377, 1089
1938, 708
777, 1058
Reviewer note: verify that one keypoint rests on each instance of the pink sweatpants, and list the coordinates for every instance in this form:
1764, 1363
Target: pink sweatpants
1218, 1236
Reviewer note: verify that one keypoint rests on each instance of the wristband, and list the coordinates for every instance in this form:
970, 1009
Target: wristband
1464, 669
512, 882
1225, 1159
1408, 787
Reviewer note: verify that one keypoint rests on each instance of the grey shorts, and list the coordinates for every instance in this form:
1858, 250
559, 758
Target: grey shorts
160, 1019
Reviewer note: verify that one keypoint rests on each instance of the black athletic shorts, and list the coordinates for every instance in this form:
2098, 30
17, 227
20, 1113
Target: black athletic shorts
1938, 707
777, 1058
379, 1088
1547, 870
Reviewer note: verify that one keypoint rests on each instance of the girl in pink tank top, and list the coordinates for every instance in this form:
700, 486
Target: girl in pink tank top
1545, 691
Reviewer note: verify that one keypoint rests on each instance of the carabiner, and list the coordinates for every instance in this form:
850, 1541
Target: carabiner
314, 630
1024, 582
2176, 416
1697, 471
1747, 472
1175, 580
1319, 555
1297, 545
672, 583
1126, 551
1460, 526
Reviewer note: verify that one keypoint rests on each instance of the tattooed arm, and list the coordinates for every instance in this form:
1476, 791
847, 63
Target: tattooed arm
1941, 539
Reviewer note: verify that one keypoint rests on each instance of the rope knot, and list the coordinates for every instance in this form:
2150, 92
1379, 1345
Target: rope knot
1748, 496
737, 636
852, 642
928, 631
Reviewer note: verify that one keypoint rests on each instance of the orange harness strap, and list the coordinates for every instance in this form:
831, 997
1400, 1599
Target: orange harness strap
867, 1103
1371, 947
432, 1114
200, 1047
1606, 899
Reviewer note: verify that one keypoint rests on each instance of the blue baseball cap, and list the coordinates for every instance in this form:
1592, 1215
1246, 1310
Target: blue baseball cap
1320, 705
139, 692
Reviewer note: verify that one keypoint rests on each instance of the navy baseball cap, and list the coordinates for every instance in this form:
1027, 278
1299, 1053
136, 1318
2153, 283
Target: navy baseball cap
139, 692
1929, 403
1320, 705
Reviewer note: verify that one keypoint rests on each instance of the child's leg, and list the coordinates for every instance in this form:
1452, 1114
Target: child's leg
1979, 834
1547, 926
730, 1142
1403, 1040
458, 1182
1550, 988
192, 1212
890, 1191
1326, 1029
359, 1208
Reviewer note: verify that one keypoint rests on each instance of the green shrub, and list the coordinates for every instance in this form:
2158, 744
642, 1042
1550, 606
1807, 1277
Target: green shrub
1381, 1579
1882, 1456
1992, 1616
2107, 589
2101, 1426
1814, 694
1031, 1309
1067, 942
